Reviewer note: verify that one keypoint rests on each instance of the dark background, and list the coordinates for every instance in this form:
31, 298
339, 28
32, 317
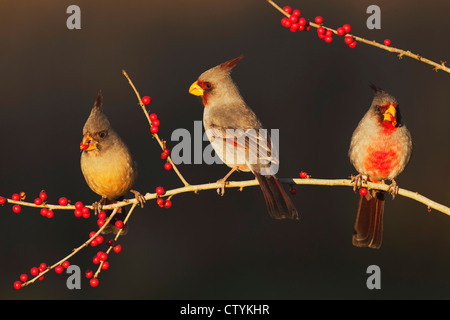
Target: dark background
206, 246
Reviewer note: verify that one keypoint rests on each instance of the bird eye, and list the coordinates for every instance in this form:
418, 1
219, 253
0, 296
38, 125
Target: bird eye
378, 109
102, 134
208, 85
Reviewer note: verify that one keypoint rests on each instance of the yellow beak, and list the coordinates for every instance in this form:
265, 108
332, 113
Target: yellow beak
88, 143
195, 89
390, 115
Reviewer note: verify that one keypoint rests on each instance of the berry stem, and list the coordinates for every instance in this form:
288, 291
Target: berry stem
400, 52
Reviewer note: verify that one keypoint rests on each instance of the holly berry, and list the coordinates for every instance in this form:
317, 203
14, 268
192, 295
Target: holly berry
346, 28
38, 201
321, 30
318, 19
92, 233
96, 260
117, 248
110, 242
49, 214
160, 191
352, 45
63, 201
85, 212
93, 282
17, 285
43, 195
168, 166
363, 191
102, 215
59, 269
153, 117
100, 222
16, 208
284, 21
34, 271
340, 31
302, 21
160, 202
2, 200
287, 9
78, 213
293, 18
303, 175
164, 155
105, 265
102, 256
44, 212
15, 197
156, 123
387, 42
66, 264
296, 12
99, 239
293, 190
146, 100
23, 277
328, 39
89, 274
348, 39
154, 129
294, 27
118, 224
79, 205
42, 266
94, 243
167, 204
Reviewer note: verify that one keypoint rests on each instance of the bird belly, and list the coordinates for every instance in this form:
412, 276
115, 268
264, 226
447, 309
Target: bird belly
381, 160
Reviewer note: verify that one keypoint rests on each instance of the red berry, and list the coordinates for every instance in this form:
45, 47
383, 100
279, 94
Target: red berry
146, 100
79, 205
117, 248
92, 233
348, 39
100, 222
110, 242
321, 30
284, 21
303, 175
160, 191
160, 202
96, 260
16, 208
288, 23
42, 266
307, 27
93, 282
287, 9
85, 212
38, 201
59, 269
43, 196
352, 45
293, 190
105, 265
89, 274
328, 33
78, 213
94, 243
302, 21
49, 214
2, 200
44, 212
23, 277
154, 129
387, 42
167, 204
164, 155
102, 256
34, 271
15, 197
156, 123
340, 31
294, 27
346, 28
66, 264
63, 201
99, 239
301, 28
118, 224
318, 19
293, 18
166, 151
168, 166
17, 285
41, 278
102, 215
328, 39
296, 12
153, 117
363, 191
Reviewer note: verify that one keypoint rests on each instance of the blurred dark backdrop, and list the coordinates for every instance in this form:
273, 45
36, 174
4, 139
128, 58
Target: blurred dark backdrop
206, 246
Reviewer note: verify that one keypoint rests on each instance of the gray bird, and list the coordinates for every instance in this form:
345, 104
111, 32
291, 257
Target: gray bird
380, 149
238, 137
106, 162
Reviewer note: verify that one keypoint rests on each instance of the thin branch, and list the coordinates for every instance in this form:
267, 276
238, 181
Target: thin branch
155, 135
400, 52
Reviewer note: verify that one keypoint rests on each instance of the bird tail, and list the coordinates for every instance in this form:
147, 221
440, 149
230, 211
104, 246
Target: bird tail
369, 221
120, 215
280, 206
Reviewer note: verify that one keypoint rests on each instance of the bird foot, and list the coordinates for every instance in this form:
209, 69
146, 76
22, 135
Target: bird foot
221, 190
358, 180
97, 207
393, 189
139, 197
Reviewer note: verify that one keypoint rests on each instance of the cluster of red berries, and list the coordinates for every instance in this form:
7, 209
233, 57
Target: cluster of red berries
153, 117
101, 257
81, 210
34, 272
296, 23
303, 175
160, 201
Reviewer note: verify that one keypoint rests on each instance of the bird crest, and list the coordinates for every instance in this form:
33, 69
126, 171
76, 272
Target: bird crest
230, 64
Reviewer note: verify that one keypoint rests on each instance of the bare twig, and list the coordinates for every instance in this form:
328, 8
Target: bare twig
400, 52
